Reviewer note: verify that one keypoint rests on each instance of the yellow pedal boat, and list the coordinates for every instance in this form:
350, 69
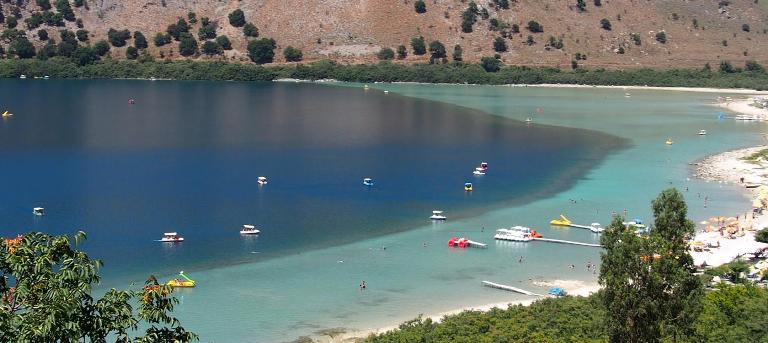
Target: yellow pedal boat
181, 283
563, 221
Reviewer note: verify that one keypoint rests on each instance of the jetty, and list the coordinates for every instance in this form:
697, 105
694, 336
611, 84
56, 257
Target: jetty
568, 242
509, 288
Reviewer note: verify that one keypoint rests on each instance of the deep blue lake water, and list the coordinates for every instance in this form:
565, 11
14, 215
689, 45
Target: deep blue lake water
185, 157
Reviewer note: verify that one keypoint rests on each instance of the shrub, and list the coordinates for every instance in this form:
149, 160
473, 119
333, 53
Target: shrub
502, 4
132, 53
101, 47
292, 54
420, 6
436, 51
82, 35
187, 44
661, 37
458, 53
499, 44
250, 30
598, 3
556, 43
581, 5
42, 34
635, 38
490, 64
762, 236
386, 54
535, 27
11, 22
529, 41
469, 17
162, 39
402, 52
605, 24
237, 18
224, 42
726, 67
262, 50
211, 48
418, 45
44, 4
62, 6
207, 32
139, 41
745, 27
118, 38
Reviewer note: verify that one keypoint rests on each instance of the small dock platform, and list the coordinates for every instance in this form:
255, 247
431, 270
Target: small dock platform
509, 288
477, 244
568, 242
586, 227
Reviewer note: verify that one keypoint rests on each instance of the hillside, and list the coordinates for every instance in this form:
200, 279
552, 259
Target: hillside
697, 32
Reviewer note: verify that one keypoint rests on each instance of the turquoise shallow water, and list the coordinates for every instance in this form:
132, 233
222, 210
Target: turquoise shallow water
281, 299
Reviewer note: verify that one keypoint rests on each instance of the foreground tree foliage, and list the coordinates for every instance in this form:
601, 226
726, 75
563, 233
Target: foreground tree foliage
46, 296
650, 289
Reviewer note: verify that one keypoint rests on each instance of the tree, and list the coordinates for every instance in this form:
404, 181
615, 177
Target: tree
42, 34
262, 50
420, 6
224, 42
118, 38
490, 64
762, 236
79, 3
47, 297
250, 30
101, 48
605, 24
132, 53
726, 67
502, 4
598, 3
292, 54
139, 41
11, 22
469, 17
418, 45
661, 37
162, 39
207, 32
581, 5
386, 54
212, 48
530, 40
458, 53
82, 35
62, 6
649, 286
237, 18
499, 44
44, 4
47, 51
22, 47
535, 27
635, 38
436, 51
192, 17
745, 27
402, 52
187, 44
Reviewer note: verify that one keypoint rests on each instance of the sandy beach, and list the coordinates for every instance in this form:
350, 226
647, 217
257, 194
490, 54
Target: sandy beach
676, 89
744, 106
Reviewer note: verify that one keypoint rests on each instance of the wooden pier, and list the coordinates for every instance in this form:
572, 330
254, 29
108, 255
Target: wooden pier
568, 242
509, 288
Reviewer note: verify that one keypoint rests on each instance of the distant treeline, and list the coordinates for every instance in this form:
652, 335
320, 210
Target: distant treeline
58, 67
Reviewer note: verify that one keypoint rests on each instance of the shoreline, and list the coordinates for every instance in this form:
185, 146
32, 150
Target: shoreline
572, 287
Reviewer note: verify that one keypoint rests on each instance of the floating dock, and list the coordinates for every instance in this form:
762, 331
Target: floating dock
568, 242
509, 288
587, 227
477, 244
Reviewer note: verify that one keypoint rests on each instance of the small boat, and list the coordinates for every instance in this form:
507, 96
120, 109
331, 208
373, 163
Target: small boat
557, 291
563, 221
7, 114
478, 172
468, 186
745, 117
702, 132
627, 95
437, 215
186, 282
386, 92
249, 230
529, 120
515, 234
669, 141
131, 101
38, 211
171, 237
262, 180
596, 228
483, 166
635, 223
458, 242
23, 76
368, 181
46, 77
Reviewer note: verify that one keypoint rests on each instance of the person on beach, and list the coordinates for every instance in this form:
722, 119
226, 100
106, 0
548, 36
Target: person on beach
362, 286
520, 260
